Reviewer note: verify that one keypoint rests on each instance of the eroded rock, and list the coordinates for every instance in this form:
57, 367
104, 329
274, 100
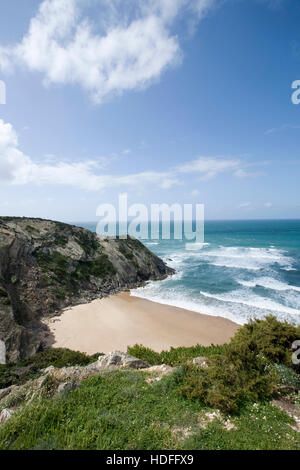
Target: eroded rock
120, 359
47, 266
5, 415
2, 352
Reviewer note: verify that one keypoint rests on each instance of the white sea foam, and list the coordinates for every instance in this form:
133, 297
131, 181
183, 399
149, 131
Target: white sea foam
269, 283
239, 305
193, 246
176, 298
247, 258
252, 300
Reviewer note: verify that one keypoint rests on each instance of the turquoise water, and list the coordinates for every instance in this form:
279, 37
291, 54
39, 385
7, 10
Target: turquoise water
245, 269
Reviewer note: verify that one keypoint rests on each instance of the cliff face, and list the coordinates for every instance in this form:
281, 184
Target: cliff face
46, 266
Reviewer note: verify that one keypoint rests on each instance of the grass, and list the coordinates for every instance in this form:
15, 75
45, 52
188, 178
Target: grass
121, 411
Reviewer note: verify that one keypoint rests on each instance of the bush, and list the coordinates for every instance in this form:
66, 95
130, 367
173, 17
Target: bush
231, 379
173, 357
27, 369
269, 337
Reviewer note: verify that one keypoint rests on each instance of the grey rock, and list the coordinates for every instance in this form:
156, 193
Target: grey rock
120, 359
47, 266
5, 415
200, 361
5, 391
65, 387
2, 352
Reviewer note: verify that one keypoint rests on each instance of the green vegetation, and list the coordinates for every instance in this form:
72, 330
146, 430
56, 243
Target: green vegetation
240, 372
54, 262
226, 405
231, 379
121, 411
124, 248
87, 241
269, 337
13, 279
175, 356
100, 267
31, 229
60, 294
61, 241
67, 275
27, 369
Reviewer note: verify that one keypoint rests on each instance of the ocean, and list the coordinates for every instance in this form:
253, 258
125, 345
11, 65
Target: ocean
246, 269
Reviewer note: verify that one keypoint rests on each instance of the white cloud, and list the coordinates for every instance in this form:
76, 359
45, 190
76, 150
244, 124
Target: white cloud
131, 45
17, 168
268, 204
242, 173
284, 127
244, 205
209, 167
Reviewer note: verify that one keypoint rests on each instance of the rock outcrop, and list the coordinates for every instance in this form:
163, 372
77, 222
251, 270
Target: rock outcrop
2, 352
55, 381
46, 266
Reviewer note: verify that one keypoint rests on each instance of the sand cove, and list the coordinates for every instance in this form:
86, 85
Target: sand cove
122, 320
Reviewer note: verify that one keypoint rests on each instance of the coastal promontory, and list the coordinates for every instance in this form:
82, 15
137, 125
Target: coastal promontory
46, 266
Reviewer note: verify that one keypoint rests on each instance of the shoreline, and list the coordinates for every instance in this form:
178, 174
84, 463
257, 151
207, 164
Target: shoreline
122, 320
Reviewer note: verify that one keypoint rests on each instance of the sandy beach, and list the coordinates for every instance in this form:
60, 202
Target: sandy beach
122, 320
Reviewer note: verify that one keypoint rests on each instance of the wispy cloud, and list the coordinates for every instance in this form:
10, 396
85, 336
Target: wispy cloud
245, 205
210, 167
132, 45
284, 127
17, 168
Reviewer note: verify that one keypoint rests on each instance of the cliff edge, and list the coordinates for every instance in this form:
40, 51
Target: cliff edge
46, 266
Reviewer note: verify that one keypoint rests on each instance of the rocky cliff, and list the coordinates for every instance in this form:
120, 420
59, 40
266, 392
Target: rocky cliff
46, 266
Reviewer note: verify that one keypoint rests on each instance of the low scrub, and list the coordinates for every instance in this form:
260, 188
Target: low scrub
173, 357
27, 369
269, 337
231, 379
256, 365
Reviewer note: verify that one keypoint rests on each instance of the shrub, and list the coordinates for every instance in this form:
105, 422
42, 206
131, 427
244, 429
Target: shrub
175, 356
231, 379
269, 337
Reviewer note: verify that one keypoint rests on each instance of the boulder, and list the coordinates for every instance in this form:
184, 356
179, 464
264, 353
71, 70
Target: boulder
65, 387
5, 415
120, 359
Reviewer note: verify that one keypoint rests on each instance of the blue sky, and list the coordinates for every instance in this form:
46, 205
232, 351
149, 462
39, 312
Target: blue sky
171, 101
